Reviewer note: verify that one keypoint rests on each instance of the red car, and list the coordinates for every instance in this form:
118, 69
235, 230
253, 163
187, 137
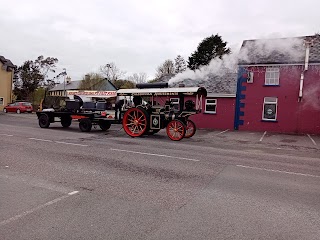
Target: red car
19, 107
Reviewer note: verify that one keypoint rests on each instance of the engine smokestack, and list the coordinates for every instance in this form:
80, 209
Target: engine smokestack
152, 85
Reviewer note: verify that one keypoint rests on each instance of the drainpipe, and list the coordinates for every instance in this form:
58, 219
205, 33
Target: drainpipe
13, 70
11, 85
306, 65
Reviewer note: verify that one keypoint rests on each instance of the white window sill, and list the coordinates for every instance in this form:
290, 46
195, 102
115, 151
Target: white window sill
269, 120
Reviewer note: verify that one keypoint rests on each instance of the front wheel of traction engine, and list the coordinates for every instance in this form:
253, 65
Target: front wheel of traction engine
176, 130
85, 125
135, 122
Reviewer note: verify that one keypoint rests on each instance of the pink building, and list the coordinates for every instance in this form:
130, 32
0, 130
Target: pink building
219, 105
278, 87
218, 112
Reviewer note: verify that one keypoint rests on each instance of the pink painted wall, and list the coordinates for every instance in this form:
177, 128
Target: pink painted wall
223, 118
292, 116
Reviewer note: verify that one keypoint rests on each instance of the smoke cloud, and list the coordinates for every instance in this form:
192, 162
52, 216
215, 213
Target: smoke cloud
311, 97
217, 67
252, 51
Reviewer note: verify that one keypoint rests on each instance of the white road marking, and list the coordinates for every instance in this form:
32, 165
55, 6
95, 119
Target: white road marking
279, 171
153, 154
7, 135
313, 141
75, 144
4, 222
73, 193
46, 140
39, 139
222, 132
263, 136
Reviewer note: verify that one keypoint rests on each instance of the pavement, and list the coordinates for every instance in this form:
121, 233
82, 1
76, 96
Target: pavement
60, 183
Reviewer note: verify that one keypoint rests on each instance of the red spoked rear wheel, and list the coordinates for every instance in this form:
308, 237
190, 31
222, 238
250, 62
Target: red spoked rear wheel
176, 130
191, 129
135, 122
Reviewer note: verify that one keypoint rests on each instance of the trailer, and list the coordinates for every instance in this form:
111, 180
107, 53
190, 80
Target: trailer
86, 120
88, 114
144, 115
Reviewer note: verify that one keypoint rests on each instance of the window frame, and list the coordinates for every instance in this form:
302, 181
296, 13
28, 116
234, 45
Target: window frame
276, 108
175, 103
272, 81
211, 104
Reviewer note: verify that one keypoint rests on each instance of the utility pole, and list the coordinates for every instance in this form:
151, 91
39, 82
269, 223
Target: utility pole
64, 82
108, 72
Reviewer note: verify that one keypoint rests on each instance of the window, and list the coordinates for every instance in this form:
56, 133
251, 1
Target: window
272, 76
270, 109
1, 101
175, 102
211, 106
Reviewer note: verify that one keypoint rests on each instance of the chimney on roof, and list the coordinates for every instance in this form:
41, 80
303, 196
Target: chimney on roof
68, 80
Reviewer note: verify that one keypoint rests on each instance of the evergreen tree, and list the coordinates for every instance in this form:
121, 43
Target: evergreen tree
179, 64
208, 49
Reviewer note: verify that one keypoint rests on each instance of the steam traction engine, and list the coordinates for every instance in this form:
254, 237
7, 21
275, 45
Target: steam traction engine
145, 116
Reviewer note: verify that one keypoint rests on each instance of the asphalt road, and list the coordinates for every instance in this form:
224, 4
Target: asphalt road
63, 184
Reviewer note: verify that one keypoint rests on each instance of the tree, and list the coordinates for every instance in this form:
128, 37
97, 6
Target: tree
92, 81
33, 74
127, 84
153, 80
208, 49
111, 72
29, 79
179, 64
124, 84
138, 77
47, 66
166, 68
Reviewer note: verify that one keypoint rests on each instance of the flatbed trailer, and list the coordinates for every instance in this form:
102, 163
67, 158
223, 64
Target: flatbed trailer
86, 119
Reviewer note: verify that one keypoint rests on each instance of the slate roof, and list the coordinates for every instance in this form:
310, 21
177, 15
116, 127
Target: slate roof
279, 50
222, 82
6, 62
74, 85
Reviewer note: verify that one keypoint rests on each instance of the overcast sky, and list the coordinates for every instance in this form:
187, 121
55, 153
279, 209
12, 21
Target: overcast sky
138, 35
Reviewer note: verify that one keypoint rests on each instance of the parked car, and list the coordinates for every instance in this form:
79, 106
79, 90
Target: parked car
19, 107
